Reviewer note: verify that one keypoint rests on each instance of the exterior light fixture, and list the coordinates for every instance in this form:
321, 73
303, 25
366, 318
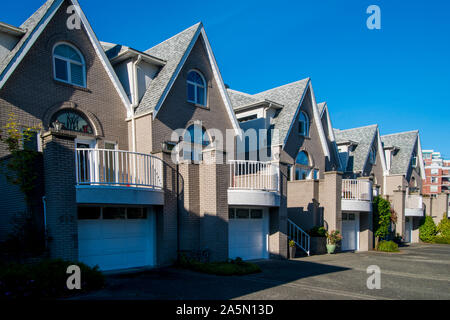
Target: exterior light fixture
57, 125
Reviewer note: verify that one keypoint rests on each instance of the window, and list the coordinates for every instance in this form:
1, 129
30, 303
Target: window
256, 213
72, 121
136, 213
113, 213
242, 214
434, 180
414, 162
195, 138
434, 171
231, 213
302, 158
196, 88
68, 65
373, 155
303, 124
88, 213
302, 166
316, 174
433, 188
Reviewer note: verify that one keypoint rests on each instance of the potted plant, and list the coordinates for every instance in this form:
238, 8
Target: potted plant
333, 237
292, 249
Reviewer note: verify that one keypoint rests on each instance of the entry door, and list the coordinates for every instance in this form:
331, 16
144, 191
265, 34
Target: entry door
350, 225
408, 229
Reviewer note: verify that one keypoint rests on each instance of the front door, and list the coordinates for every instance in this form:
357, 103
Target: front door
350, 226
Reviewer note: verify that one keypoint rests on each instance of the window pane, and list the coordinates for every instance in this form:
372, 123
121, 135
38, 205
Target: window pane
191, 92
61, 69
302, 158
67, 52
231, 213
111, 213
344, 216
136, 213
351, 216
72, 121
85, 213
77, 74
256, 214
242, 213
195, 77
201, 96
301, 127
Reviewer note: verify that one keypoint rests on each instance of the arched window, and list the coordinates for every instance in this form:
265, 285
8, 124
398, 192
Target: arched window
303, 167
69, 65
195, 139
303, 124
373, 155
196, 88
70, 120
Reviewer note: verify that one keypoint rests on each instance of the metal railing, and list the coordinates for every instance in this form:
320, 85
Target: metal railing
300, 237
353, 189
118, 168
414, 201
254, 175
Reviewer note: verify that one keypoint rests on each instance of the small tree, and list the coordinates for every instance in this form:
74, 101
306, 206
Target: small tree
382, 216
427, 230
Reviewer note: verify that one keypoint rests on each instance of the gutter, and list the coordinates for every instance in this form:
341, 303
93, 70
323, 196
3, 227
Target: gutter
135, 100
44, 203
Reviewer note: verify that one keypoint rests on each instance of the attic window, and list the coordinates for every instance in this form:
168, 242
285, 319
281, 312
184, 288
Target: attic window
196, 88
69, 65
303, 124
373, 155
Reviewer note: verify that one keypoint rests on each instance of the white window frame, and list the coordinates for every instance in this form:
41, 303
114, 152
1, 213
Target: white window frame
306, 124
196, 85
69, 61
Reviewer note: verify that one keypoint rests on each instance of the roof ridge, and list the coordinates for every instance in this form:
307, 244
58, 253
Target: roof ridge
284, 85
368, 126
179, 33
404, 132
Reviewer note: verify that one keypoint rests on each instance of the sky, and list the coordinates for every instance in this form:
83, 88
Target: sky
397, 77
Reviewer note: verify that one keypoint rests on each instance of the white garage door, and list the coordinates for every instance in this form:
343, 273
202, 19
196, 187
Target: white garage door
247, 233
350, 230
116, 238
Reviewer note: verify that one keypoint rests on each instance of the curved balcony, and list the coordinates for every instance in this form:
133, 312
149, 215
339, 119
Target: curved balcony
254, 183
105, 176
356, 195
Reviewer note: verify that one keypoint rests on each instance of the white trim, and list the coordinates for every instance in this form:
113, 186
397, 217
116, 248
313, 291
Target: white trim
319, 126
30, 41
69, 62
332, 136
419, 151
105, 61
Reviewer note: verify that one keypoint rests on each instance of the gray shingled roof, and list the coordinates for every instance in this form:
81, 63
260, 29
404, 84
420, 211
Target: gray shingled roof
406, 142
172, 50
320, 106
364, 136
29, 25
289, 96
240, 99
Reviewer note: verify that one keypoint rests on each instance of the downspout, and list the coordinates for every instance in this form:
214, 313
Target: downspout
135, 100
44, 203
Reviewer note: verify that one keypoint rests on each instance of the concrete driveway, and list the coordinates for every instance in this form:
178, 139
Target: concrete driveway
419, 272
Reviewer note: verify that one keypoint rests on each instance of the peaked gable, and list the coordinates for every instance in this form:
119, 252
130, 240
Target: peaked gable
35, 25
406, 142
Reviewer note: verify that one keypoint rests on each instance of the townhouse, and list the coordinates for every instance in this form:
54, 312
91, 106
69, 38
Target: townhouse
147, 154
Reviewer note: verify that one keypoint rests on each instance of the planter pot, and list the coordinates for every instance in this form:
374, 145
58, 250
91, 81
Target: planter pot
318, 245
292, 252
331, 248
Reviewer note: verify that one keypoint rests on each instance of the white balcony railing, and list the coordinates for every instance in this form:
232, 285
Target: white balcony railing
359, 190
254, 175
414, 201
118, 168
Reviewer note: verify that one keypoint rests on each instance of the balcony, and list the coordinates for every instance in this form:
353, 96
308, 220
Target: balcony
254, 183
356, 195
105, 176
414, 206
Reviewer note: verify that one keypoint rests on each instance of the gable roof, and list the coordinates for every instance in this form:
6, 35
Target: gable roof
35, 25
240, 99
405, 141
325, 115
364, 137
173, 50
290, 96
29, 27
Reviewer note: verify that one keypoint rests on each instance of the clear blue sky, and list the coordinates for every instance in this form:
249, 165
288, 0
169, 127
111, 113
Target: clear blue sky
398, 77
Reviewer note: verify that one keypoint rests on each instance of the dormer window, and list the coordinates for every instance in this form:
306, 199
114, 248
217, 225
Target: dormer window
196, 88
69, 65
303, 124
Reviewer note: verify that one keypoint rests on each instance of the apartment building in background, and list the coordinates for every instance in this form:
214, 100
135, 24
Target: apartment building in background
437, 171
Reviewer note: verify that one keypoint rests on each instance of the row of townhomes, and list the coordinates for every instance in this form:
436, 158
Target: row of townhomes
145, 154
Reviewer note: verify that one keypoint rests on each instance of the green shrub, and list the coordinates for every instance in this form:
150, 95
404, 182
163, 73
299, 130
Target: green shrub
46, 279
317, 232
443, 228
381, 217
388, 246
427, 231
441, 240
